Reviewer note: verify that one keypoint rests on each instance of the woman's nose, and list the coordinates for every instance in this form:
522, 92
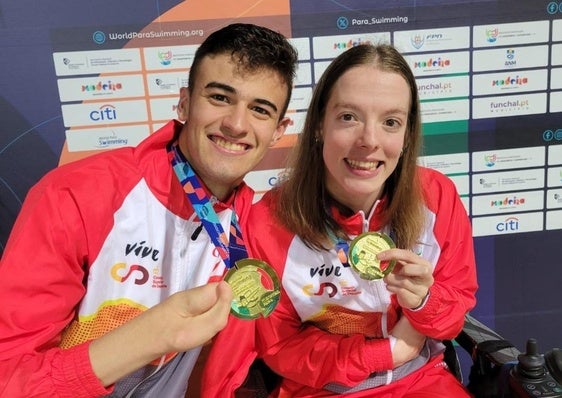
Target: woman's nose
369, 136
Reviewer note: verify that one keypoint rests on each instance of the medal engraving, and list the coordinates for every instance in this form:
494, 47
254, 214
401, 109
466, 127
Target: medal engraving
363, 252
255, 287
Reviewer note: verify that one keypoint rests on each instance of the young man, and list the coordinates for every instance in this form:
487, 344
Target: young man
111, 277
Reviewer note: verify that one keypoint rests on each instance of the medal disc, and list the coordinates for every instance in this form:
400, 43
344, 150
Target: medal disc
363, 252
255, 288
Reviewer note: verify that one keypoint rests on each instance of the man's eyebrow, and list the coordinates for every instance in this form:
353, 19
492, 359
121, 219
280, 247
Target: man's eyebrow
267, 103
232, 90
222, 86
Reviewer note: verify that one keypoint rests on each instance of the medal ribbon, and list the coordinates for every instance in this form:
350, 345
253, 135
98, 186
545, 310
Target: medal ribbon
230, 250
342, 247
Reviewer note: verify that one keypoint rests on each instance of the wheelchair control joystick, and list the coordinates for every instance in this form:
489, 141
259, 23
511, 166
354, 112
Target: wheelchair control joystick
531, 363
530, 376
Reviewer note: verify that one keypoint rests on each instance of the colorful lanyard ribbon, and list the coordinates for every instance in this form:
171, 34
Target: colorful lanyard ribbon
230, 250
342, 247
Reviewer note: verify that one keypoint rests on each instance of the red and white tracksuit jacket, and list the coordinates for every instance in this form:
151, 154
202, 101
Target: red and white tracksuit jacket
331, 329
97, 242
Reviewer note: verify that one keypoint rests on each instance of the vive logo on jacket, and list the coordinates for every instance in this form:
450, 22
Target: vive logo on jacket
333, 282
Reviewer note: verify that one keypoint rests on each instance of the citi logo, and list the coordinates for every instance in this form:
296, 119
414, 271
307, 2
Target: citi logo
279, 178
510, 224
106, 112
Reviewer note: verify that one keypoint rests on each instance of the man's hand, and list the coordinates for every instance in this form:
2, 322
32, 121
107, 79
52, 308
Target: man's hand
183, 321
192, 317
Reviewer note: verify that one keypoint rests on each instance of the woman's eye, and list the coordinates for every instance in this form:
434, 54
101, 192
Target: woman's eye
392, 123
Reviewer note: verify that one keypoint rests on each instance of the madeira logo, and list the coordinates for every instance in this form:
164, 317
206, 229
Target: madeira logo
350, 43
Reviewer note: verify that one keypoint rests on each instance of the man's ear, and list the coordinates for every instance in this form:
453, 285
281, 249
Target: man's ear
183, 105
280, 130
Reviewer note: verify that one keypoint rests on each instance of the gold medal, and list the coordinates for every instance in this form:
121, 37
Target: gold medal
255, 287
363, 252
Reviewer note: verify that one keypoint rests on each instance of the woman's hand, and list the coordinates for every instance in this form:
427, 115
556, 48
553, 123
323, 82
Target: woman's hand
410, 279
409, 342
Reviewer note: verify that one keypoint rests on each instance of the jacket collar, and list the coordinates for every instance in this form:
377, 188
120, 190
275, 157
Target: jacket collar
356, 223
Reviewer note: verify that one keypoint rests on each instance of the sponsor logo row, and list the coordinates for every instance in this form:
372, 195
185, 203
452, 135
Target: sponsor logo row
324, 47
108, 111
328, 47
432, 88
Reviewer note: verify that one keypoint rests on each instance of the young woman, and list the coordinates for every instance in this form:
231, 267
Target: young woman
374, 252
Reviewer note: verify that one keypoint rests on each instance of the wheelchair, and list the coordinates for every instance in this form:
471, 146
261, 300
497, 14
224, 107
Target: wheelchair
498, 370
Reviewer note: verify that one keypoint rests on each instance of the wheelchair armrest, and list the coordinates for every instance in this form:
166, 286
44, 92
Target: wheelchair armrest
478, 339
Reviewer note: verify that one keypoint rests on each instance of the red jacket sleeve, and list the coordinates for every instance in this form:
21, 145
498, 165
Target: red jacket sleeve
230, 358
41, 287
300, 351
453, 292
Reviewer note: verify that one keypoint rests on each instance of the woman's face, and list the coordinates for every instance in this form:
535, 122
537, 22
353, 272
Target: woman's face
363, 132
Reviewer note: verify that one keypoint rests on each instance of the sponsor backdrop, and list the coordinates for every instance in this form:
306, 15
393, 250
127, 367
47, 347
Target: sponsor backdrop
80, 77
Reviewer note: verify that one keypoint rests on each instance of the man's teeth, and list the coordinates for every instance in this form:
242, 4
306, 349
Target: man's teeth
232, 146
362, 165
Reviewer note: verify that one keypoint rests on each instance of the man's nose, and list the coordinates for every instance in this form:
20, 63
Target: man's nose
236, 122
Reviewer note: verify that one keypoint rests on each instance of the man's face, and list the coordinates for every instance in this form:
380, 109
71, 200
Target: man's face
232, 119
